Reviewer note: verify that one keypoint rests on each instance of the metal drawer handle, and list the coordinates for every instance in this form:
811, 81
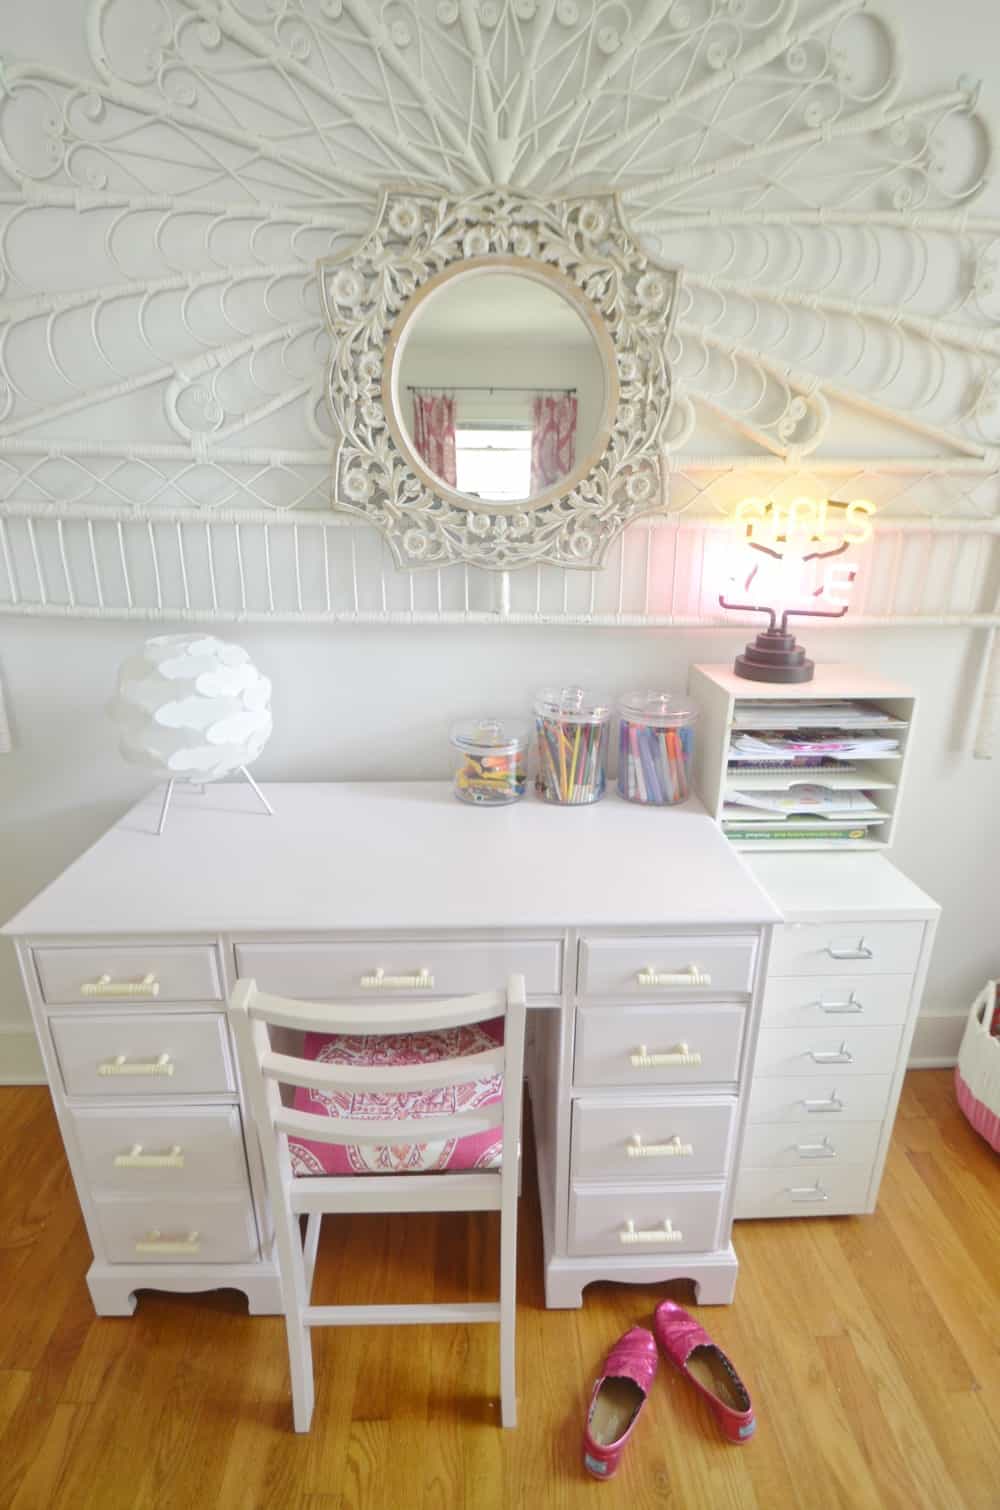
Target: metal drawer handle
379, 981
824, 1150
842, 1055
805, 1193
673, 1148
831, 1103
642, 1059
105, 986
665, 1234
850, 1005
861, 952
692, 976
155, 1242
162, 1065
172, 1158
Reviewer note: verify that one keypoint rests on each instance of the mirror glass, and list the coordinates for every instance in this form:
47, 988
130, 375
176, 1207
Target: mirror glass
499, 385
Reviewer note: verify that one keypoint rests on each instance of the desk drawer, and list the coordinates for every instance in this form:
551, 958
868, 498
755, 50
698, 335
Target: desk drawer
665, 1139
810, 1100
861, 948
656, 1045
161, 1054
168, 1149
826, 1050
666, 966
832, 1191
129, 973
217, 1229
794, 1001
641, 1221
776, 1145
323, 970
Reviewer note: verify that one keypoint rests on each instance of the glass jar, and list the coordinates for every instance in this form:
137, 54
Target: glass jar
655, 744
492, 770
572, 742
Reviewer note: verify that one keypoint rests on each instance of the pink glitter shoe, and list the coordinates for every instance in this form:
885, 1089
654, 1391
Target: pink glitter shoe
618, 1397
691, 1349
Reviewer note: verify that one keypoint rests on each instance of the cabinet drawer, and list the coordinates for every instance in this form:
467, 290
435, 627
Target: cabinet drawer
167, 1149
826, 1051
640, 1221
161, 1054
218, 1229
666, 966
628, 1045
861, 948
794, 1001
129, 973
832, 1191
651, 1138
321, 970
808, 1099
806, 1145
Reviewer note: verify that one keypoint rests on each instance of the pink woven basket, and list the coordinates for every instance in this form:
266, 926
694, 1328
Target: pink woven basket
977, 1074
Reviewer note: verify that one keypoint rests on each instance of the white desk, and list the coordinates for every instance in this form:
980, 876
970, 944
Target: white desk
637, 1138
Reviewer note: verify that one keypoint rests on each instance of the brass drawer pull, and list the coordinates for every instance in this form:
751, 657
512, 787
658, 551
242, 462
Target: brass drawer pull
665, 1234
692, 976
155, 1242
161, 1065
136, 1158
642, 1059
673, 1148
379, 981
105, 986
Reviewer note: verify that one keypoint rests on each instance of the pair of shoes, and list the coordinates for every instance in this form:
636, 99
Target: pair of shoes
629, 1370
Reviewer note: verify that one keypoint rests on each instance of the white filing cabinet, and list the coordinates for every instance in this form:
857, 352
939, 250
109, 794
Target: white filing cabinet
844, 985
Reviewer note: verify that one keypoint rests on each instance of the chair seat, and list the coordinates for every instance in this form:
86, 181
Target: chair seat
475, 1151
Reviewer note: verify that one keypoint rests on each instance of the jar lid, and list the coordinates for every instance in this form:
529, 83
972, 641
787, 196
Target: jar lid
657, 708
488, 736
570, 705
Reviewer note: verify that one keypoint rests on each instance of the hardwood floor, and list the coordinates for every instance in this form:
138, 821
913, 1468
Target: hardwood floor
871, 1347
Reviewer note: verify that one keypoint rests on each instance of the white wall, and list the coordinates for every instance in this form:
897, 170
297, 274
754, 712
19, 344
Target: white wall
353, 703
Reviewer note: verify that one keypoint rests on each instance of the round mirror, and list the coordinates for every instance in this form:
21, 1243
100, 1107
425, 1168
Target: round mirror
501, 382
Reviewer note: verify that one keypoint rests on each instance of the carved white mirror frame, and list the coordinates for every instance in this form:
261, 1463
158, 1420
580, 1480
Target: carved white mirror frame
582, 249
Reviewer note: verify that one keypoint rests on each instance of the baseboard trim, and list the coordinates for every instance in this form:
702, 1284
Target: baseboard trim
936, 1040
20, 1061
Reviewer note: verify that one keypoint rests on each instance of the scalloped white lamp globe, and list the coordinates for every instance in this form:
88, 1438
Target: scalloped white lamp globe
193, 707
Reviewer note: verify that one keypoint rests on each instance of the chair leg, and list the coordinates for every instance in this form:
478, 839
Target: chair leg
508, 1317
300, 1362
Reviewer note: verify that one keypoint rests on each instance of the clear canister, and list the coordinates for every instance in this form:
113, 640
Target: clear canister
655, 745
492, 770
571, 731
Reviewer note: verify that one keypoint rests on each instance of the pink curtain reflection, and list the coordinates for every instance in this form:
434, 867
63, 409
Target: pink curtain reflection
434, 433
553, 438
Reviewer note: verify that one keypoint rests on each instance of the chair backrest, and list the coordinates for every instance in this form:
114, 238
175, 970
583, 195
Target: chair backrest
255, 1015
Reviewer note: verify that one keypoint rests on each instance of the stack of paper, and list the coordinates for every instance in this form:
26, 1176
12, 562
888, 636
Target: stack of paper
805, 802
833, 743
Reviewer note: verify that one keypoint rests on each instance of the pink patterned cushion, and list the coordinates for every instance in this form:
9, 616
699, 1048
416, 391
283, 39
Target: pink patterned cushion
477, 1151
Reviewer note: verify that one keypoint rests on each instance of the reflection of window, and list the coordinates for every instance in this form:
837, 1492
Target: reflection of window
493, 463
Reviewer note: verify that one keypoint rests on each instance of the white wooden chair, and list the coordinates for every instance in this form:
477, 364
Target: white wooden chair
265, 1070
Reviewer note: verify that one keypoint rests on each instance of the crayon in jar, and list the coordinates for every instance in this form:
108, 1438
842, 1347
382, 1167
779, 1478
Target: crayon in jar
655, 744
492, 770
571, 732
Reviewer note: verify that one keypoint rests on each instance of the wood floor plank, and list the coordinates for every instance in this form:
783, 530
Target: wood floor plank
871, 1347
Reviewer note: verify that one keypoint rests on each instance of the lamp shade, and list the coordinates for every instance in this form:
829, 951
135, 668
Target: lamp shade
192, 707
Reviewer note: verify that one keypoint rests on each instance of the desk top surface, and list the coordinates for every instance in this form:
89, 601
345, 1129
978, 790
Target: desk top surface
396, 856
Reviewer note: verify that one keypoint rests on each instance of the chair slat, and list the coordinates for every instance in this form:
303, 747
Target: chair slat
322, 1076
454, 1190
459, 1312
322, 1129
378, 1017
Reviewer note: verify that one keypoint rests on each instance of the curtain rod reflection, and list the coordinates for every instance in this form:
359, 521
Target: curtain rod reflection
483, 388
